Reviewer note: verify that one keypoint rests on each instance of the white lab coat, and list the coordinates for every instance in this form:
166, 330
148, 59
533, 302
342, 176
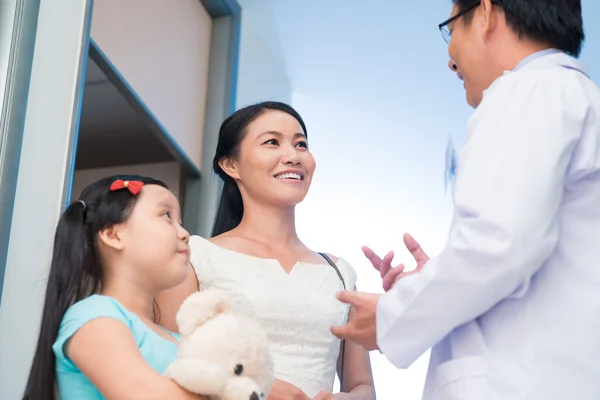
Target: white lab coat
512, 303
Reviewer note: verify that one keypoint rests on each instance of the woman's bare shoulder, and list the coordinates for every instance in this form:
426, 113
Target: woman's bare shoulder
229, 241
222, 240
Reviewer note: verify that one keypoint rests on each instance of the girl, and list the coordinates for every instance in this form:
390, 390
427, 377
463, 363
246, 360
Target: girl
264, 160
115, 248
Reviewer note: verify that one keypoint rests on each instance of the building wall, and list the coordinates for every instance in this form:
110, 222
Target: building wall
168, 172
262, 70
17, 41
135, 34
46, 165
44, 169
262, 75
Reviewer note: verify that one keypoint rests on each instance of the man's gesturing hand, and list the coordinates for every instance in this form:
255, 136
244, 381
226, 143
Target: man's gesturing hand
390, 275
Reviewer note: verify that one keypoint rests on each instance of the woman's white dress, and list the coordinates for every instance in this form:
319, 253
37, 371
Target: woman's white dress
296, 310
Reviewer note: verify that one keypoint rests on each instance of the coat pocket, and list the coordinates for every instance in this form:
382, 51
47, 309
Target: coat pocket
480, 377
461, 368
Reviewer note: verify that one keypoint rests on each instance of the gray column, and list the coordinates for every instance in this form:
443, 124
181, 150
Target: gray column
44, 179
18, 23
203, 195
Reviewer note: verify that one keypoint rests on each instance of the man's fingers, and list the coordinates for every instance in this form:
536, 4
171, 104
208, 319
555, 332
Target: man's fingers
397, 279
391, 277
404, 275
323, 395
367, 251
298, 394
415, 249
341, 332
386, 264
374, 258
348, 297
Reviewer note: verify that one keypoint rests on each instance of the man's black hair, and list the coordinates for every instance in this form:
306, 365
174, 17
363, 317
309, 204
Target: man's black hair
557, 23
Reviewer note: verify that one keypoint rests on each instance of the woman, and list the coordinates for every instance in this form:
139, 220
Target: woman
263, 158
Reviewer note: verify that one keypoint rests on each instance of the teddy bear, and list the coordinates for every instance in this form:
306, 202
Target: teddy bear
222, 355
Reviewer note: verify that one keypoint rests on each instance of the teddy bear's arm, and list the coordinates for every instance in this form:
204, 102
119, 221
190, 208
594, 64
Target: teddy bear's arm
197, 377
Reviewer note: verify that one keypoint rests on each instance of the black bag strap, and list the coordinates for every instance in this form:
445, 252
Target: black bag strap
330, 262
343, 346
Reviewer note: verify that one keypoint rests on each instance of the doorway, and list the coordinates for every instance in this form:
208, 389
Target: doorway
118, 135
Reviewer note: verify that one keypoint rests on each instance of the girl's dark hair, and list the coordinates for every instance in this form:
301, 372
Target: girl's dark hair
231, 134
75, 272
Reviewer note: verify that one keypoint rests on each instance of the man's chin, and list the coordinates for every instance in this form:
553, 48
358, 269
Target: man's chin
473, 101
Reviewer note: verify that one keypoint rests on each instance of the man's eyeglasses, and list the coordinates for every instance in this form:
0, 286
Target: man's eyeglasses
443, 27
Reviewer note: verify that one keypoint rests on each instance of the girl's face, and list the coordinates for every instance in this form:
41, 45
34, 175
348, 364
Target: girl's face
274, 164
152, 240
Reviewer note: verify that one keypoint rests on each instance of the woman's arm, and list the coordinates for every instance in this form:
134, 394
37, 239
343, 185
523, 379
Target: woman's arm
357, 378
282, 390
169, 301
106, 353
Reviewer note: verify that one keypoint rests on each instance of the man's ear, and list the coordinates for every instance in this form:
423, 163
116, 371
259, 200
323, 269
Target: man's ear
111, 237
229, 166
489, 17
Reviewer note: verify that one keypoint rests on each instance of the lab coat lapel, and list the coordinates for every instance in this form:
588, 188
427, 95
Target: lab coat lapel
450, 165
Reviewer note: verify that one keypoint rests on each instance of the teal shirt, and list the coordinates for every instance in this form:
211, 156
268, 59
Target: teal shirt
72, 384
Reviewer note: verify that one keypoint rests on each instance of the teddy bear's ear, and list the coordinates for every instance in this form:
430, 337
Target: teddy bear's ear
200, 307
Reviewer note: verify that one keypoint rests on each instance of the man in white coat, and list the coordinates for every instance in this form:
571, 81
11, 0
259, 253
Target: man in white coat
511, 306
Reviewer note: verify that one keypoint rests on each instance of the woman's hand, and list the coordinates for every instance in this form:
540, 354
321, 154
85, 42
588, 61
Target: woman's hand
286, 391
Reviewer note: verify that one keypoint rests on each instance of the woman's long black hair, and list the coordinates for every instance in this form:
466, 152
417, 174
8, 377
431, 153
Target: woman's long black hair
231, 134
75, 272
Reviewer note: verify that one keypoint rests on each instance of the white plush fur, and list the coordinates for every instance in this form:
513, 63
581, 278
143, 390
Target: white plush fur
213, 342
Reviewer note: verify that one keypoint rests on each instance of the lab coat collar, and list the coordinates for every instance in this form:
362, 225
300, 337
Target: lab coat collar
549, 57
535, 56
543, 59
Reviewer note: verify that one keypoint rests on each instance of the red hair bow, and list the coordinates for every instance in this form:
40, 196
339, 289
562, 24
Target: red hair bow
133, 186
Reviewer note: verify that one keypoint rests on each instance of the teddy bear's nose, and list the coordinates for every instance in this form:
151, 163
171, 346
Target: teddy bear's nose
254, 396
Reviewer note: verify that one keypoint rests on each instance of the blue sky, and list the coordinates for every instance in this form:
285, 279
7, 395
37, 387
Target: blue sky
371, 81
